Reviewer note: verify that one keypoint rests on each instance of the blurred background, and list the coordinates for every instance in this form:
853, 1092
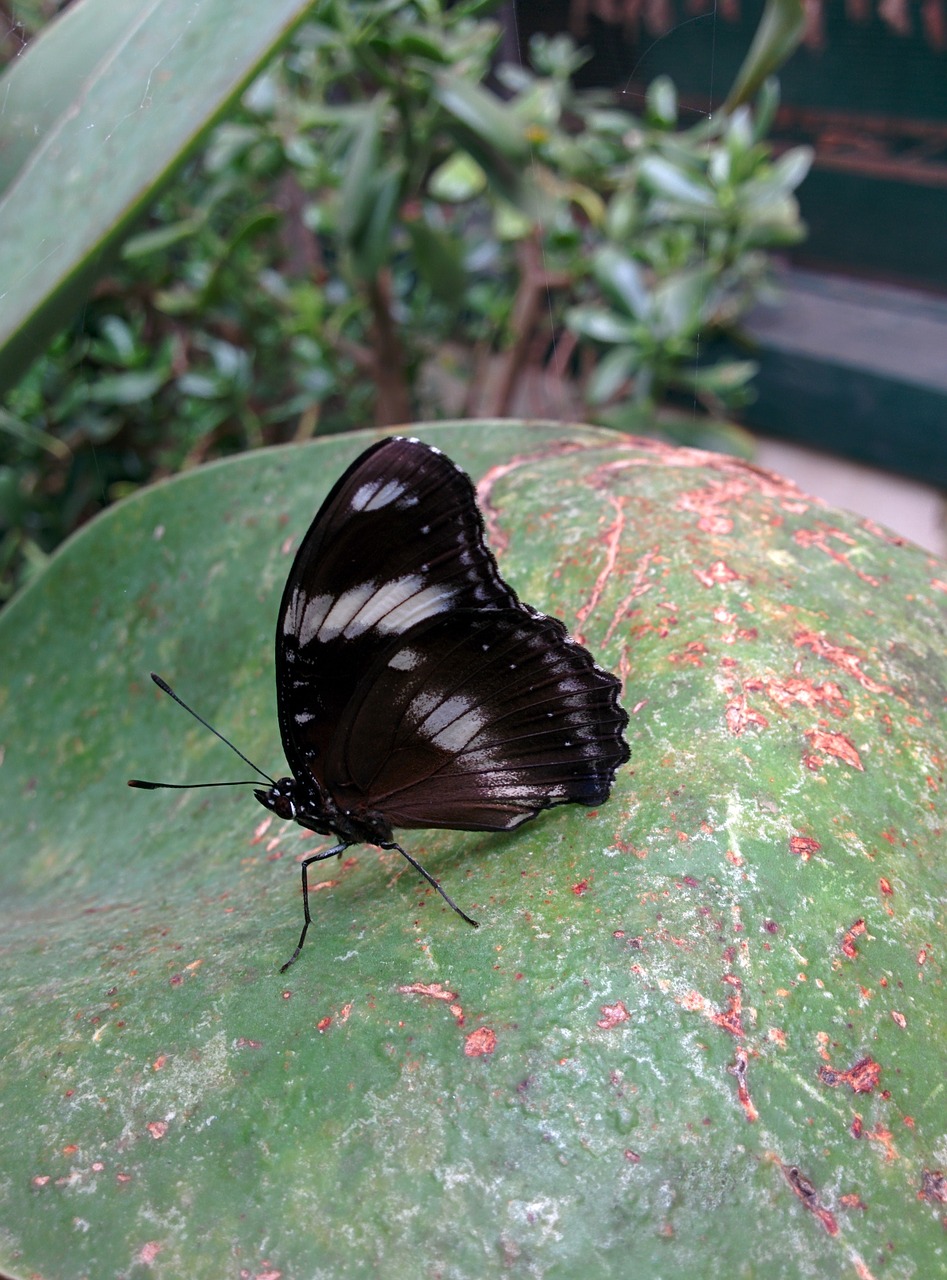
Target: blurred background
853, 356
722, 224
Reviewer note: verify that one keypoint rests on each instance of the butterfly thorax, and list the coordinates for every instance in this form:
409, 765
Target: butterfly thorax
305, 802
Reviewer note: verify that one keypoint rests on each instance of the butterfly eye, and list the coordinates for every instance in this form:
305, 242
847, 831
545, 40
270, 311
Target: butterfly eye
280, 798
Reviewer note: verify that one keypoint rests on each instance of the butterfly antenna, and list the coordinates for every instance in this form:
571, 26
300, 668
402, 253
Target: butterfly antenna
181, 786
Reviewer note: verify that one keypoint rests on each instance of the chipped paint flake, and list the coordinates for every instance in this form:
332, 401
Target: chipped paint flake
847, 660
837, 745
819, 538
716, 575
739, 1068
739, 716
480, 1043
803, 846
613, 1015
433, 990
861, 1077
807, 1193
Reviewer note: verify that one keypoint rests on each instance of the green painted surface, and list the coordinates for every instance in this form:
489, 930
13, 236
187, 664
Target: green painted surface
645, 1062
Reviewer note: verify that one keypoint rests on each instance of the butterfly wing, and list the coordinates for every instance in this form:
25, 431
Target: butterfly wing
477, 721
398, 541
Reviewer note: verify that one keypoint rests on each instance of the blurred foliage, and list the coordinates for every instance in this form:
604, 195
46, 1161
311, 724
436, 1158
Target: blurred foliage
372, 204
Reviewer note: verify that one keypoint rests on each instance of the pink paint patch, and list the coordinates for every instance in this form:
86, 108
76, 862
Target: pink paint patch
740, 715
837, 745
433, 990
716, 575
612, 1015
480, 1043
803, 847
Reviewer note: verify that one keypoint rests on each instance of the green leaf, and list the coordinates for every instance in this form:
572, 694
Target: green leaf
766, 106
45, 81
724, 377
681, 1009
128, 388
623, 280
601, 325
131, 91
510, 222
611, 373
622, 216
669, 180
439, 259
148, 243
682, 302
494, 124
777, 37
792, 167
32, 436
372, 245
661, 102
359, 190
458, 179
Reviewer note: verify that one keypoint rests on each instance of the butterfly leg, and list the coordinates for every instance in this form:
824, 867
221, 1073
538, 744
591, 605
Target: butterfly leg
307, 918
431, 881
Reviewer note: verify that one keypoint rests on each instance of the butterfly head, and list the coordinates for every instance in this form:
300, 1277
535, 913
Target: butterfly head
280, 798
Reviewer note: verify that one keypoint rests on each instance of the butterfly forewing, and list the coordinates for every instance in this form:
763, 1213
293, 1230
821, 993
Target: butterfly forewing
398, 541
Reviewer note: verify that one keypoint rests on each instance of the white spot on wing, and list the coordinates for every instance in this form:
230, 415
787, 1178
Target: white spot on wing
305, 615
393, 607
368, 497
451, 724
405, 660
344, 616
406, 601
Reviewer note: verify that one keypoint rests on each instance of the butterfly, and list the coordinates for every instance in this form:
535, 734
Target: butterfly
414, 688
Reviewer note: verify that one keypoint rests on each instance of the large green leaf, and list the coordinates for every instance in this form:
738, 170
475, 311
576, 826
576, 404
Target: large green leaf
700, 1028
98, 112
782, 25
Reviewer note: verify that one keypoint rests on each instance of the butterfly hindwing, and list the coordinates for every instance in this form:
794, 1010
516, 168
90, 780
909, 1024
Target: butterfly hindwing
478, 721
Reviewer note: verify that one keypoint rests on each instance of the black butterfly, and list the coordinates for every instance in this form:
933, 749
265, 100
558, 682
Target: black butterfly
414, 688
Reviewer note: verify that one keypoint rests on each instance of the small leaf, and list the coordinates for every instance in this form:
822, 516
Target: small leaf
127, 388
661, 102
601, 325
767, 104
359, 183
681, 302
439, 259
372, 246
458, 179
777, 36
484, 115
792, 167
623, 280
148, 243
669, 180
611, 374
